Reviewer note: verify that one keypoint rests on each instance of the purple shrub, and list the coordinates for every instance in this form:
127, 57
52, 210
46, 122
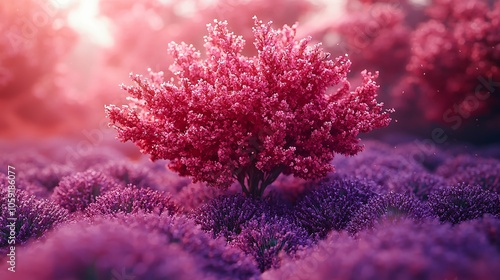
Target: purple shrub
33, 216
426, 155
331, 205
161, 177
194, 195
372, 151
132, 200
388, 207
273, 204
485, 176
265, 238
107, 250
460, 163
378, 166
384, 168
214, 257
416, 183
405, 250
488, 225
126, 173
224, 216
31, 189
288, 188
463, 202
47, 177
77, 191
24, 159
97, 157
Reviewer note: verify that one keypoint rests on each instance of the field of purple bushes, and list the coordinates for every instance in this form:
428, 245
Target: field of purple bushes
392, 212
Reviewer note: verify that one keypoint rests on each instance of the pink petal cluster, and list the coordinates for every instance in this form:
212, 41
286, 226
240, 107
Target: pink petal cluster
376, 35
228, 116
438, 59
456, 55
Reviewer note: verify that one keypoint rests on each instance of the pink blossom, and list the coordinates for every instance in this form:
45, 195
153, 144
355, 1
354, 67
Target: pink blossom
451, 53
229, 116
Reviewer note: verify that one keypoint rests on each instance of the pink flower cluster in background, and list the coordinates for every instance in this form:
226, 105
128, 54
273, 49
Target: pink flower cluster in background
439, 61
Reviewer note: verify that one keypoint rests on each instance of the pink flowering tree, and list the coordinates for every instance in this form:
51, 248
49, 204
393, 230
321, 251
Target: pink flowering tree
228, 117
455, 56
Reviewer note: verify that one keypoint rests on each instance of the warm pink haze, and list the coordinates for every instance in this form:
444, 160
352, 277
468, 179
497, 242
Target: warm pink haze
249, 139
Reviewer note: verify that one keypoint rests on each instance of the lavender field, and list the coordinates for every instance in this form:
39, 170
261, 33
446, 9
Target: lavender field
290, 139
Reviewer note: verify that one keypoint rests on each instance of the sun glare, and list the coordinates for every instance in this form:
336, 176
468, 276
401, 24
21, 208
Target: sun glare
85, 18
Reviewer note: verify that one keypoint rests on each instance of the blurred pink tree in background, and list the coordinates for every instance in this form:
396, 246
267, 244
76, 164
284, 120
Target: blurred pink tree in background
451, 54
439, 60
61, 60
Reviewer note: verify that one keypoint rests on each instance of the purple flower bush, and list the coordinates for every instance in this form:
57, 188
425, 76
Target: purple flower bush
77, 191
226, 235
388, 207
131, 200
194, 195
47, 177
459, 164
224, 216
489, 225
332, 205
33, 216
126, 173
485, 176
404, 250
463, 202
106, 250
429, 158
419, 184
266, 237
377, 166
213, 256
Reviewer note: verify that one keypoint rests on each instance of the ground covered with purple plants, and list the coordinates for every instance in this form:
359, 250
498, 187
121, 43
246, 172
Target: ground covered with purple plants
395, 211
